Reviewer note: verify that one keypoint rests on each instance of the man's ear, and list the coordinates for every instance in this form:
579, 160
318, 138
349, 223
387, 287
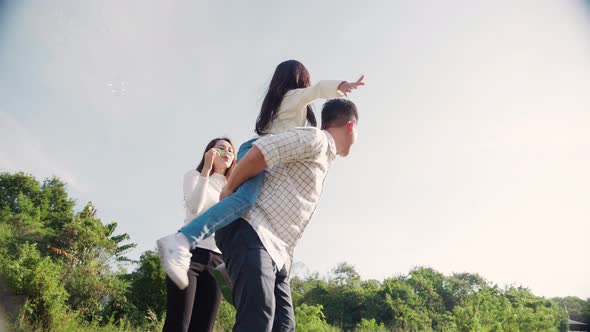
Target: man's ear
350, 126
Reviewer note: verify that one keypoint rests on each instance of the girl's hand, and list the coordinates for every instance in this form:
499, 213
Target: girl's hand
209, 158
346, 87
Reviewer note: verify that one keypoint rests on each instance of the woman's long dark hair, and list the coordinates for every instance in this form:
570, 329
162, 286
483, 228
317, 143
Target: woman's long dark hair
289, 75
211, 145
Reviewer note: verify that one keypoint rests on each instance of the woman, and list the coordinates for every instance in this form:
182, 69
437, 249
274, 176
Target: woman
195, 307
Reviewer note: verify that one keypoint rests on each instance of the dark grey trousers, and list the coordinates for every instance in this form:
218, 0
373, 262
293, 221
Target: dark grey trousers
261, 293
194, 309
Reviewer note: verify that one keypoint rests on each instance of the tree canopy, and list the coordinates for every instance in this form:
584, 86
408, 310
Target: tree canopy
66, 265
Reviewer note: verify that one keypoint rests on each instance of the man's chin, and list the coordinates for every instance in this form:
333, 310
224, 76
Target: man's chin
344, 153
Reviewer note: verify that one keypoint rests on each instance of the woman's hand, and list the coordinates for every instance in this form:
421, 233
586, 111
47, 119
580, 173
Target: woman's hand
346, 87
209, 158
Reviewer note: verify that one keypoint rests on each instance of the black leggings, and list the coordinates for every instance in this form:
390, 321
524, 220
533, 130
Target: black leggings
194, 309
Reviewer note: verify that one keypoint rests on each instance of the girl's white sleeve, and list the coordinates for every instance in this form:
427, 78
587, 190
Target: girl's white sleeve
195, 187
297, 99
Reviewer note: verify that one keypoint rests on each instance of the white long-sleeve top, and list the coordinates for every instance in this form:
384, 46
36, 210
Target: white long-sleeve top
201, 193
293, 109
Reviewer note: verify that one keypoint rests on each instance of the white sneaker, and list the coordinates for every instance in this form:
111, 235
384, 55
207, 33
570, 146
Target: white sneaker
175, 257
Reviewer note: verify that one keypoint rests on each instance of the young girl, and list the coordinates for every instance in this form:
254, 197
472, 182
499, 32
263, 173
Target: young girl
285, 106
195, 308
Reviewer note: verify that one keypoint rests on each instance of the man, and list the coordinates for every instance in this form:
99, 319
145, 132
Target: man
258, 248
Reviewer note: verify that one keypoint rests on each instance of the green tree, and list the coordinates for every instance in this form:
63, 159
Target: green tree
480, 310
79, 249
67, 264
226, 317
533, 313
148, 276
342, 298
574, 305
38, 278
15, 186
49, 202
310, 318
345, 275
586, 311
402, 307
89, 252
371, 325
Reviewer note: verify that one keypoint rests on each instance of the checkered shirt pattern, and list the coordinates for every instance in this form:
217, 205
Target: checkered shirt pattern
297, 163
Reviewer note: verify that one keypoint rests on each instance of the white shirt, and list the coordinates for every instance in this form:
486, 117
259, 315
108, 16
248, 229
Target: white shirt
297, 163
201, 193
293, 109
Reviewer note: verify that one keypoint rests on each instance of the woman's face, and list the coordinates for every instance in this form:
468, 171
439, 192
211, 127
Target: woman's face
225, 155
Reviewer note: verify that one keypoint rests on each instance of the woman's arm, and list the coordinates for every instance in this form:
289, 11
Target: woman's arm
195, 188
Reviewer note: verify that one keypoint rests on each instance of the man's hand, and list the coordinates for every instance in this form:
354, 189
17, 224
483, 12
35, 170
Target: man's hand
251, 164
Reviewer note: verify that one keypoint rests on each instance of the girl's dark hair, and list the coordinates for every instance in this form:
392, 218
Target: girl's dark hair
211, 145
289, 75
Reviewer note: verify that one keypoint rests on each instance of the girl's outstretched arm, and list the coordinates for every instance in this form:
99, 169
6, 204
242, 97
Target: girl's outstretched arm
297, 99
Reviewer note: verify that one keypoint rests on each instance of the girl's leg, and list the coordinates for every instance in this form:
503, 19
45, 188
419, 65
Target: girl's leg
227, 210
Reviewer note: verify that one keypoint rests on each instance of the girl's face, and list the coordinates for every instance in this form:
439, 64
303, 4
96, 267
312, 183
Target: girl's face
225, 156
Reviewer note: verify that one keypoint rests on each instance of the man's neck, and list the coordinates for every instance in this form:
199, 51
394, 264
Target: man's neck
336, 135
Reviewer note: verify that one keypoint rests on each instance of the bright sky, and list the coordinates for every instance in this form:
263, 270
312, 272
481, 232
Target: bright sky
473, 138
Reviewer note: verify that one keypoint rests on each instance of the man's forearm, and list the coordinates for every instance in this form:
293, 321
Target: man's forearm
251, 164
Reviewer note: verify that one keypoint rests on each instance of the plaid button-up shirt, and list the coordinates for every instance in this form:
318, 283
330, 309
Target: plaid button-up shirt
297, 163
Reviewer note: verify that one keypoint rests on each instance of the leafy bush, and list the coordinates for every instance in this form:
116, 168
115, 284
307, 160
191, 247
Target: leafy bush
311, 318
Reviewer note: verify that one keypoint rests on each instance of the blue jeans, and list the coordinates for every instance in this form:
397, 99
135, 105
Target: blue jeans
227, 210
